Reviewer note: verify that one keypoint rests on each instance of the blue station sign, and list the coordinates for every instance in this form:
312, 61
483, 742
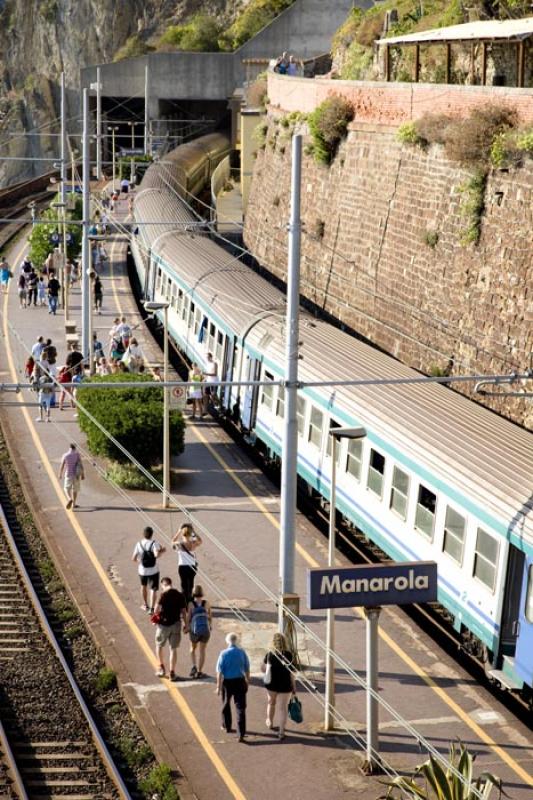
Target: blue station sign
372, 585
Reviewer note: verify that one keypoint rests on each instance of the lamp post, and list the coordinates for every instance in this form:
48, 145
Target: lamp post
113, 129
63, 250
132, 169
152, 307
73, 155
336, 435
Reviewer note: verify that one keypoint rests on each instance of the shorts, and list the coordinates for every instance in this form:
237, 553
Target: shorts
72, 483
170, 634
201, 638
150, 580
45, 400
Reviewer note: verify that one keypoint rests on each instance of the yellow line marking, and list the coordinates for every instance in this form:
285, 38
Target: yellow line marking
176, 695
428, 680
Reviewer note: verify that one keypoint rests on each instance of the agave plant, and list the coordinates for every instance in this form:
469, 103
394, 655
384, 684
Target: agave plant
454, 783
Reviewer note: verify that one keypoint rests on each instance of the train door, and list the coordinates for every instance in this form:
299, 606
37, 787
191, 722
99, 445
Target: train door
524, 644
249, 408
511, 601
227, 370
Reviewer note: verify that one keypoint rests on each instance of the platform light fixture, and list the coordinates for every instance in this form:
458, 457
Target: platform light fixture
152, 307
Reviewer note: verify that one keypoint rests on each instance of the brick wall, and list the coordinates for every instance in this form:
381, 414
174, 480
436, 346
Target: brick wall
394, 103
367, 261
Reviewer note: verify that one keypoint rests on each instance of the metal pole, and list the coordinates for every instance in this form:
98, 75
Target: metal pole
63, 139
166, 415
113, 146
146, 115
64, 281
98, 126
372, 706
85, 244
91, 341
290, 433
329, 723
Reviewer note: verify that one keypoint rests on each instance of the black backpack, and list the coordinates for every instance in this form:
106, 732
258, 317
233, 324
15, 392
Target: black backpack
148, 556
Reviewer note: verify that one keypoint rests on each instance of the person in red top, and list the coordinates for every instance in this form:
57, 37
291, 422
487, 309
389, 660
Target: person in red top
65, 376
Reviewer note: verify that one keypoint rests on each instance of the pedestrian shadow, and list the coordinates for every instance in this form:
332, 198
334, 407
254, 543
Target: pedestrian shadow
269, 738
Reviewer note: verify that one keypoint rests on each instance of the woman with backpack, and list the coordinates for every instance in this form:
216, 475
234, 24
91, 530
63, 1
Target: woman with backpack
278, 680
199, 625
185, 542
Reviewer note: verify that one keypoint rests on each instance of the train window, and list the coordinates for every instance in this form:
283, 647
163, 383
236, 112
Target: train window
280, 405
425, 511
173, 295
211, 340
529, 596
267, 394
354, 459
399, 493
332, 425
315, 427
180, 301
158, 280
220, 346
185, 310
376, 471
486, 558
300, 415
454, 535
198, 320
190, 318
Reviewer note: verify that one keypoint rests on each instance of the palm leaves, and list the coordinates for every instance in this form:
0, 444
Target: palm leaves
456, 782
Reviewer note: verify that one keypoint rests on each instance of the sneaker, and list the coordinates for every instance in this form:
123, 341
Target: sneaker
38, 419
200, 675
150, 610
241, 739
173, 677
161, 672
69, 504
144, 607
194, 672
268, 724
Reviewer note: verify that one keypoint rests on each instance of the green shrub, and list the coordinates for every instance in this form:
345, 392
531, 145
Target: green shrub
357, 62
473, 206
256, 94
128, 476
431, 238
199, 35
105, 680
256, 15
407, 133
469, 140
133, 416
524, 142
328, 125
260, 134
134, 47
159, 784
39, 238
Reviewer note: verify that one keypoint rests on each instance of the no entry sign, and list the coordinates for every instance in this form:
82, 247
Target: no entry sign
372, 585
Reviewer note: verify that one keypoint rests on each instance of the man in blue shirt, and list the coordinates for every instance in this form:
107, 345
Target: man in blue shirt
233, 676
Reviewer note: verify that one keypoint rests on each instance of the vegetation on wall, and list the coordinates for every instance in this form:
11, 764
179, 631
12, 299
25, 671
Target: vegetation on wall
40, 241
134, 47
328, 125
199, 34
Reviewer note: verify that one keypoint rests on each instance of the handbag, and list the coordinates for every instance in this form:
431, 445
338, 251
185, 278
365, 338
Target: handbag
295, 710
267, 677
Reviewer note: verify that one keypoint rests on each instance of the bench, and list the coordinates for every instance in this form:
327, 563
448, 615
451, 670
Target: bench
70, 326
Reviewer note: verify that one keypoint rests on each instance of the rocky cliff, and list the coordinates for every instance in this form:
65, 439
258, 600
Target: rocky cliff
42, 38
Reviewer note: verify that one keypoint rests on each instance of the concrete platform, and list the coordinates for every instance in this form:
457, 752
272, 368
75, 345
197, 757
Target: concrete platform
239, 508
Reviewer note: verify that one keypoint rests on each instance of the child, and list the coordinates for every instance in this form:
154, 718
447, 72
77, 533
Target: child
28, 369
41, 291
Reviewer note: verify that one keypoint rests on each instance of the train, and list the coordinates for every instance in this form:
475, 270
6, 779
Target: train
437, 476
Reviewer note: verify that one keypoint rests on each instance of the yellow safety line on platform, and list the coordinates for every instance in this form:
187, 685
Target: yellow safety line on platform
177, 696
428, 680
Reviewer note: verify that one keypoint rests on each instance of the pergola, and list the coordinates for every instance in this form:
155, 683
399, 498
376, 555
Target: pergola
514, 32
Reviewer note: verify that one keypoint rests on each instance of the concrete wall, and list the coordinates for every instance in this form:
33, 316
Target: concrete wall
393, 103
383, 252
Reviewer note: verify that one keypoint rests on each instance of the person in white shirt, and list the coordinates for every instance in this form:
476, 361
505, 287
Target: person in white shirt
38, 348
146, 554
186, 541
210, 382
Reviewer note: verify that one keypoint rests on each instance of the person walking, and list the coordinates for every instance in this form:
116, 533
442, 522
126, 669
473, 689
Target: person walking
72, 468
146, 553
170, 612
98, 295
211, 380
5, 275
32, 281
37, 348
41, 291
53, 294
185, 542
46, 393
199, 624
195, 392
233, 677
63, 377
279, 681
21, 290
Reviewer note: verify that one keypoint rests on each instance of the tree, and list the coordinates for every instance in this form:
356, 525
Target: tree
200, 34
134, 417
40, 241
451, 784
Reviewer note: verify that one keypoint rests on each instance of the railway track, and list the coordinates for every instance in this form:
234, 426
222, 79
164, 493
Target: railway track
50, 746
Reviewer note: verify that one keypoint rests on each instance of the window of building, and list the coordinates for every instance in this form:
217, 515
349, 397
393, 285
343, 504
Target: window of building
376, 471
190, 319
315, 427
158, 280
219, 348
332, 425
185, 309
486, 558
212, 337
180, 301
454, 535
300, 415
197, 320
399, 493
280, 405
267, 392
425, 511
528, 611
354, 458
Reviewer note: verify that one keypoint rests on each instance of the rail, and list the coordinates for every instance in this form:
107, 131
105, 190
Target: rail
99, 743
11, 764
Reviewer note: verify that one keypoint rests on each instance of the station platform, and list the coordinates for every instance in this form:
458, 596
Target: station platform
239, 506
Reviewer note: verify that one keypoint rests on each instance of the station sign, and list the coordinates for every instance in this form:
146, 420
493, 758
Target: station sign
372, 585
131, 151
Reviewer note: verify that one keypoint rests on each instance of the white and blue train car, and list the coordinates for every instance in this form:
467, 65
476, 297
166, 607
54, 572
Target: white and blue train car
437, 477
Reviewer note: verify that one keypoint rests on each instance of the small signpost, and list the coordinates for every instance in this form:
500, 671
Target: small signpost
372, 586
178, 398
131, 151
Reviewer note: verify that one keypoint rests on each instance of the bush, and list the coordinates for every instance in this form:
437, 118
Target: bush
407, 133
431, 238
39, 238
328, 125
199, 35
524, 142
134, 755
134, 47
469, 140
473, 206
256, 15
159, 784
260, 134
132, 416
105, 680
128, 476
256, 93
433, 128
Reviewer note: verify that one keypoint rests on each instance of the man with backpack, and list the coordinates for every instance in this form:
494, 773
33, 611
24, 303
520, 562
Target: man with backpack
146, 553
199, 625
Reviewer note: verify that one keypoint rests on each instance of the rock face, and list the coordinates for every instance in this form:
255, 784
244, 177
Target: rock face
382, 252
42, 38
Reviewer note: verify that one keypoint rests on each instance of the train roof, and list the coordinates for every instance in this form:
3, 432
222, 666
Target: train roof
475, 451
